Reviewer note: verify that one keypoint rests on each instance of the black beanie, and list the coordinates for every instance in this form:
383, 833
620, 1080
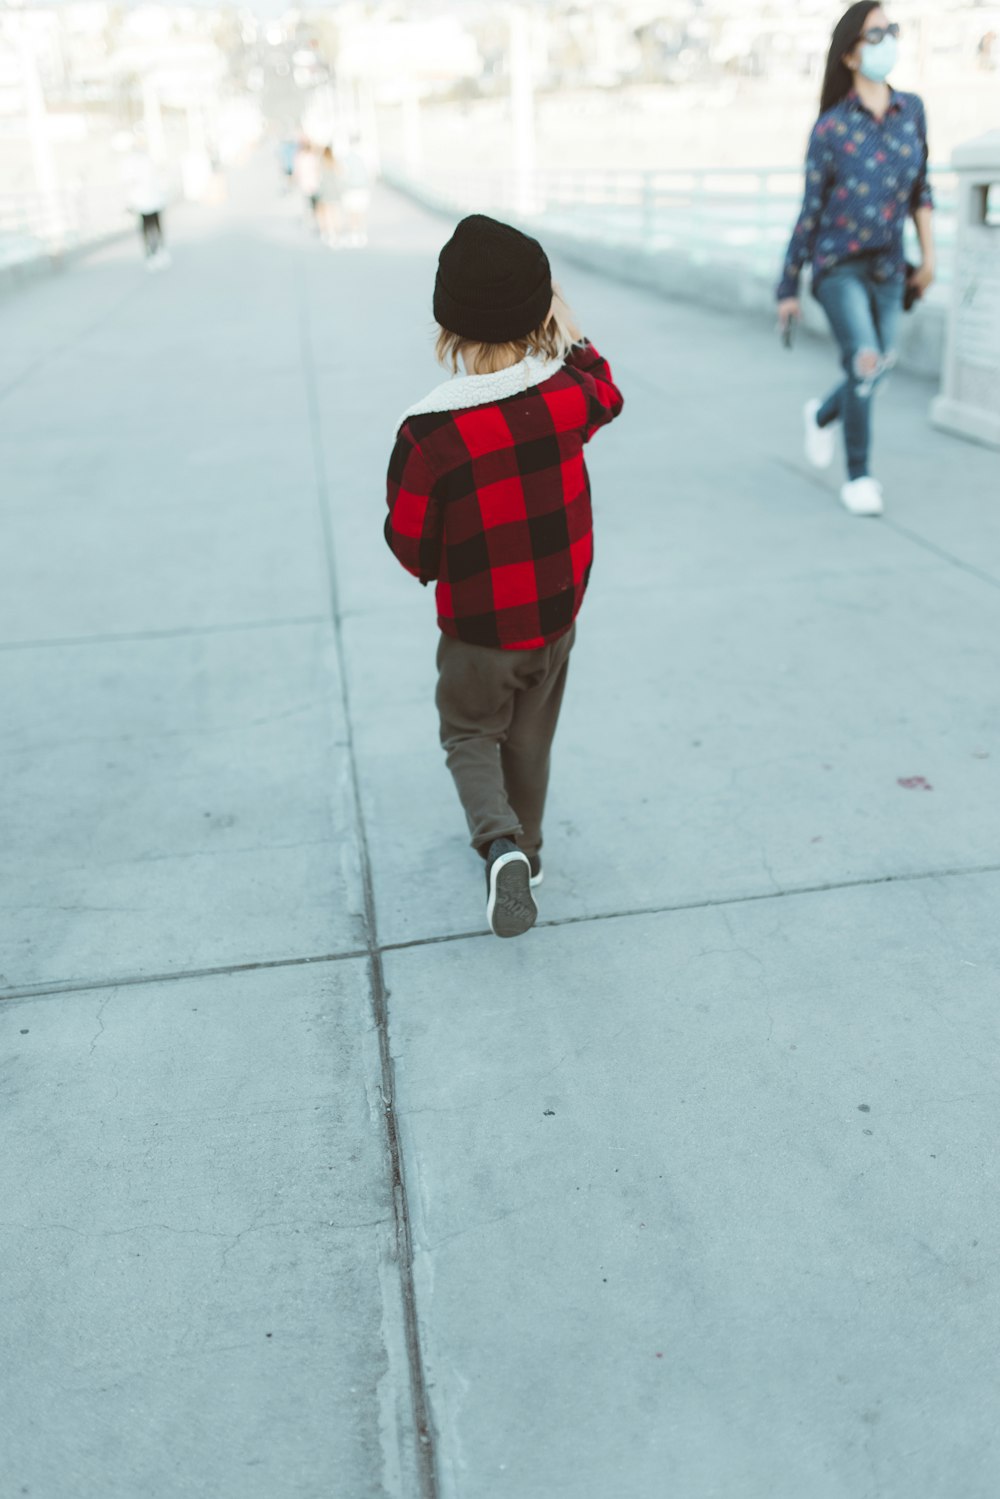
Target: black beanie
494, 284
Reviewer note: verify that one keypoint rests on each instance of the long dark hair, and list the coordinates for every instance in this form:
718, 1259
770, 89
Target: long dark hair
837, 80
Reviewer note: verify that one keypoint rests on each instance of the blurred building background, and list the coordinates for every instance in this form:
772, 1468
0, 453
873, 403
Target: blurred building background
433, 86
664, 83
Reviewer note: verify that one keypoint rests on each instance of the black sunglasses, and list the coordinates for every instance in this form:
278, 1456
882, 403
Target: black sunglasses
879, 33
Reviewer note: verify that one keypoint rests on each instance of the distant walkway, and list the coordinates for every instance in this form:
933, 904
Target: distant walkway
311, 1187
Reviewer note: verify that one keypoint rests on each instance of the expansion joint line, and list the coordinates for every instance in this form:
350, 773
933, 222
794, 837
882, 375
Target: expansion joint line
414, 944
425, 1454
34, 365
989, 579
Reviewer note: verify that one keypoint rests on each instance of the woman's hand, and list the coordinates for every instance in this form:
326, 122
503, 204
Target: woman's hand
922, 278
789, 311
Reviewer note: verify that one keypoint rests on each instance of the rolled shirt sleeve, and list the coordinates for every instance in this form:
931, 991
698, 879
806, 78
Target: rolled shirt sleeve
819, 179
922, 197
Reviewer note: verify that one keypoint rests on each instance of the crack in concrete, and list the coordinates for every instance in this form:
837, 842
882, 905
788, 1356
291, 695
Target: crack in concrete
192, 731
34, 365
471, 1228
100, 1022
81, 986
939, 552
125, 637
526, 1079
291, 1226
424, 1446
137, 980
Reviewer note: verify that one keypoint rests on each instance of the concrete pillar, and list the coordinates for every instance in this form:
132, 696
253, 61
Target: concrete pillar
46, 179
969, 403
522, 107
413, 153
153, 120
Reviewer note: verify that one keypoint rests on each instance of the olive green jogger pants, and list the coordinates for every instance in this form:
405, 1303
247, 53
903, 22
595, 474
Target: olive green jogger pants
499, 711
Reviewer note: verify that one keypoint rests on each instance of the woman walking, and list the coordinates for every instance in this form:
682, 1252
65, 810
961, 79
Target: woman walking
308, 175
329, 195
866, 172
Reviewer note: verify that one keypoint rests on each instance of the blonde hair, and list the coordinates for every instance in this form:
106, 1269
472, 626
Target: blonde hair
551, 340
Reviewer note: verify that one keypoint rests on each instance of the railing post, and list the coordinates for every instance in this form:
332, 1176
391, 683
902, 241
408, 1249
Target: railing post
522, 103
648, 212
762, 248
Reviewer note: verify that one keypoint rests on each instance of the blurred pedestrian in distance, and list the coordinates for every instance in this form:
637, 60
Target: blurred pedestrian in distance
330, 194
866, 173
288, 150
356, 193
488, 494
307, 179
147, 198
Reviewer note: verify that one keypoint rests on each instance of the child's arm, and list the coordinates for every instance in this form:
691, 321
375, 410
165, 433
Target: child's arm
606, 400
413, 525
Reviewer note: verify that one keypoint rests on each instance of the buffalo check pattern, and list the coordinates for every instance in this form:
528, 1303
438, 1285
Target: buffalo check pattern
489, 495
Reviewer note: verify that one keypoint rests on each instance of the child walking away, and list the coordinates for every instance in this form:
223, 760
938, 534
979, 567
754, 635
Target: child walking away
147, 199
488, 494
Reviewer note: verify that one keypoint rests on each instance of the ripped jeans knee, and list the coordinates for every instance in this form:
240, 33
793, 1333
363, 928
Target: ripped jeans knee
867, 367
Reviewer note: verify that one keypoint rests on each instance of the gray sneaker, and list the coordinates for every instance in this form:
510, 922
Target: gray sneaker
537, 875
510, 906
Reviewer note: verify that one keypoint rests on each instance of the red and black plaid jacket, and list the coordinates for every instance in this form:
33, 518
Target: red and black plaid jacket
488, 493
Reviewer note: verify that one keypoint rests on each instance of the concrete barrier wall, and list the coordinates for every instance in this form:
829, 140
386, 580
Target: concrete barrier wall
727, 286
46, 262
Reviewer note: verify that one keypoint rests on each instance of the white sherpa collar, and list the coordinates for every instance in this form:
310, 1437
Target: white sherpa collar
463, 391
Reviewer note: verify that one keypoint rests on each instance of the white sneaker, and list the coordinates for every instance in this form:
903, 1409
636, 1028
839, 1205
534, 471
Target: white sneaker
820, 441
862, 496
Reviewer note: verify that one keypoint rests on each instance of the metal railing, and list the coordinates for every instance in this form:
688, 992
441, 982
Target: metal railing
743, 214
35, 225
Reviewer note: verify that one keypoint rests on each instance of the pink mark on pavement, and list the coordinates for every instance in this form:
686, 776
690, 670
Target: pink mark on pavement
914, 783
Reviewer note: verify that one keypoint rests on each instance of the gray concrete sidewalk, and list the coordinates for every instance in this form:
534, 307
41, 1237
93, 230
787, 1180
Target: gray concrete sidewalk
699, 1182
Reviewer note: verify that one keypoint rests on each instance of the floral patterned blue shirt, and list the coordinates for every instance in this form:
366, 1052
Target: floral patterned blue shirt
864, 177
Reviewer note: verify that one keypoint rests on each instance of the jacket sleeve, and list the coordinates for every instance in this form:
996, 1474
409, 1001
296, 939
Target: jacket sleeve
605, 400
413, 525
819, 180
922, 196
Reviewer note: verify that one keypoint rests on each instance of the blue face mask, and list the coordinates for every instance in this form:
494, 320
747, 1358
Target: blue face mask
878, 59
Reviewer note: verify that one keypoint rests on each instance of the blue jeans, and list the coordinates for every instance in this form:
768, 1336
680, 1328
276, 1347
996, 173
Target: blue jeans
864, 316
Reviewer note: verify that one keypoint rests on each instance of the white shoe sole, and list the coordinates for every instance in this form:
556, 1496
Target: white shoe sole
872, 505
510, 906
536, 879
820, 442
